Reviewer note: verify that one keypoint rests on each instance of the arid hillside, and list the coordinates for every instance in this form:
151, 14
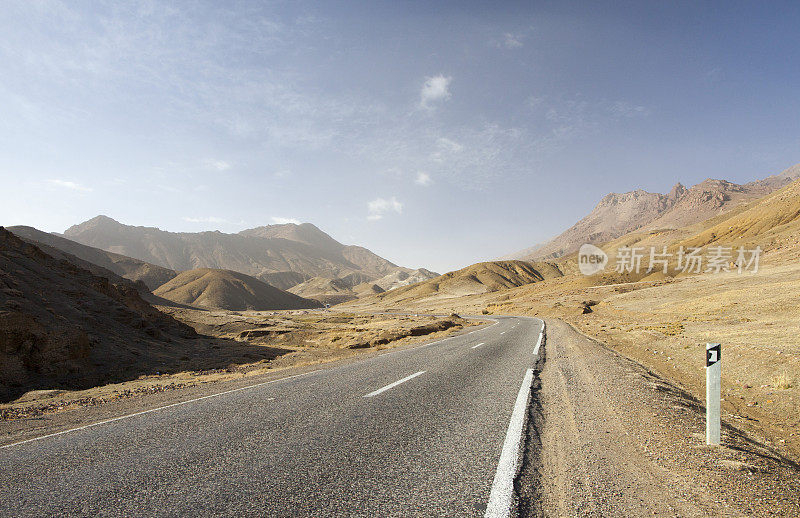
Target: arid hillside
62, 325
260, 252
133, 269
639, 211
325, 290
224, 289
354, 286
478, 278
664, 321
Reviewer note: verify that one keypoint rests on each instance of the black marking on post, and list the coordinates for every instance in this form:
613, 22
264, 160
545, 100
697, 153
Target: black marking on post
713, 355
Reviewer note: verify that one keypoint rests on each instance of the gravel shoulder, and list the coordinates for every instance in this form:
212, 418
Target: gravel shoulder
618, 440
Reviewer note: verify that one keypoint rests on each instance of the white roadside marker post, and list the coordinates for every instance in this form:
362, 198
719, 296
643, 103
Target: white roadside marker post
713, 389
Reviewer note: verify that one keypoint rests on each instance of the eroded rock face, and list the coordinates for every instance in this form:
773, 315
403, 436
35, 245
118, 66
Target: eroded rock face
620, 213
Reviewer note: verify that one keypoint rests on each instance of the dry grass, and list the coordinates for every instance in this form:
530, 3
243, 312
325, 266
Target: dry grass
302, 337
783, 381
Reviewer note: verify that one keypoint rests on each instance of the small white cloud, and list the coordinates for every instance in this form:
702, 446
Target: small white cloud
423, 178
534, 102
512, 41
206, 219
446, 149
218, 165
436, 88
282, 221
446, 144
380, 206
69, 185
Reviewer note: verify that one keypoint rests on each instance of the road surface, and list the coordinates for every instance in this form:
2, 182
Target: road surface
415, 432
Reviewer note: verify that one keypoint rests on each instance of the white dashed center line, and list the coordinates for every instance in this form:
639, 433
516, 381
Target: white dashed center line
476, 346
393, 385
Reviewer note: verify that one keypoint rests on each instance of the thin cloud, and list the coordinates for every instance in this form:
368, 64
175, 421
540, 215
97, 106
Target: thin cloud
69, 185
446, 144
380, 206
628, 110
218, 165
512, 41
423, 179
283, 221
436, 88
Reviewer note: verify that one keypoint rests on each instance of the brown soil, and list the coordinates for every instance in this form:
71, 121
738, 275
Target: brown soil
619, 440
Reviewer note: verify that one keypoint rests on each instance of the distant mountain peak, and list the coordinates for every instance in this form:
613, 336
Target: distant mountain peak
307, 233
259, 252
620, 213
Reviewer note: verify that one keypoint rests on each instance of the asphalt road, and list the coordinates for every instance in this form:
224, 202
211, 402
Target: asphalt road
415, 432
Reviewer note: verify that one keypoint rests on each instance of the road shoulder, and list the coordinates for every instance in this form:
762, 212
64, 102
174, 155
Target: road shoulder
618, 440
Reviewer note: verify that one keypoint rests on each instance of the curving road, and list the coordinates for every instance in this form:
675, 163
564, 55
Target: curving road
407, 433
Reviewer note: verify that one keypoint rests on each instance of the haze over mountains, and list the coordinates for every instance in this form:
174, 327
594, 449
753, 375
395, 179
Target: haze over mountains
281, 255
618, 214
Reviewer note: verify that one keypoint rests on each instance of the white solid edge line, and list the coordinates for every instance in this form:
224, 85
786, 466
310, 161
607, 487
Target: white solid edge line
476, 346
502, 494
127, 416
538, 343
393, 385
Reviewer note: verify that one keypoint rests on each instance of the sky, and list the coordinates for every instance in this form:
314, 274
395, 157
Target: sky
436, 134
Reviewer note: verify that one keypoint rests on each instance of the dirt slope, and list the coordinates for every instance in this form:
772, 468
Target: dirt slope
771, 221
224, 289
325, 290
133, 269
404, 278
478, 278
60, 325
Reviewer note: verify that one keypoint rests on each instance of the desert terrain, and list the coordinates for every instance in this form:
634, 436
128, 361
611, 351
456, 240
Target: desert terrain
663, 321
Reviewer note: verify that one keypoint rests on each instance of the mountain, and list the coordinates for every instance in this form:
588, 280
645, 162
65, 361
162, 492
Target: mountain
478, 278
404, 278
225, 289
284, 280
615, 215
619, 214
325, 290
772, 222
60, 325
132, 269
353, 286
260, 252
705, 200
